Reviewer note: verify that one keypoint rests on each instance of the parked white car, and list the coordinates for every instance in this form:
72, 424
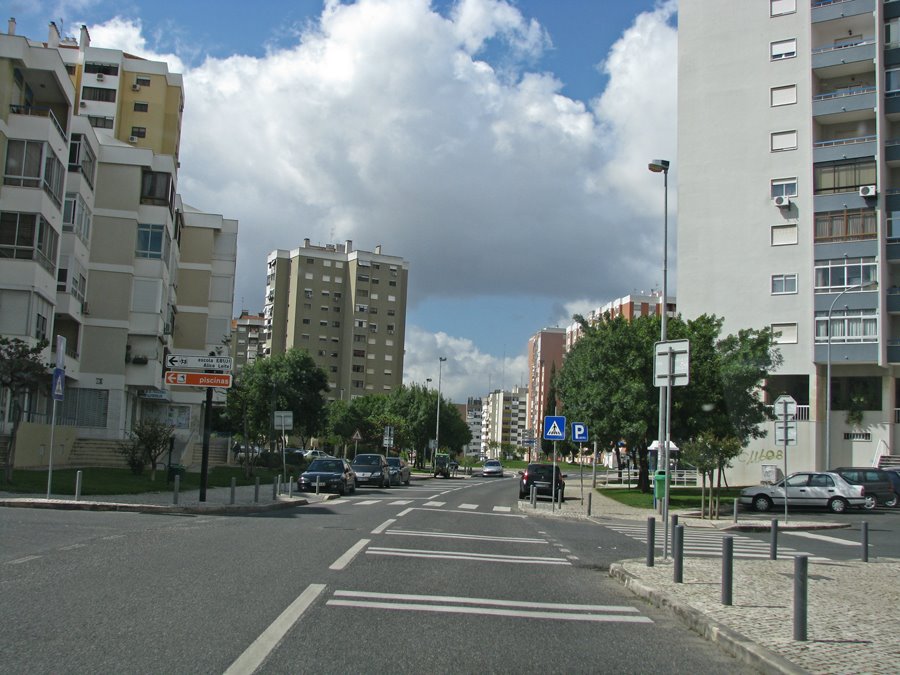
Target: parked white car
806, 489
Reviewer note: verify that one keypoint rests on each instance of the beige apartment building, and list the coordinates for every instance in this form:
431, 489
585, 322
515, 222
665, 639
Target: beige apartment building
90, 141
346, 307
545, 357
246, 339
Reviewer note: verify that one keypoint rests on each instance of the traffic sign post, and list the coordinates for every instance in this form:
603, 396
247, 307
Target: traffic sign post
285, 418
786, 434
58, 389
554, 430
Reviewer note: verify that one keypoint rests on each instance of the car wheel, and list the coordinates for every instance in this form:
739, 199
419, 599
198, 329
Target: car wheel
871, 502
892, 501
838, 505
762, 503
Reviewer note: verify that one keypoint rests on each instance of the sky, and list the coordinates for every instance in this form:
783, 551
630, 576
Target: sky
499, 146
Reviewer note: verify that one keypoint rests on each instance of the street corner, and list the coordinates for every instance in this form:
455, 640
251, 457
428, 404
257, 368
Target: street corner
766, 525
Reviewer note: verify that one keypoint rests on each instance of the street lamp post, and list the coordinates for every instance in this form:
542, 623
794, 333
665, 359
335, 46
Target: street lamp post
437, 424
662, 166
856, 287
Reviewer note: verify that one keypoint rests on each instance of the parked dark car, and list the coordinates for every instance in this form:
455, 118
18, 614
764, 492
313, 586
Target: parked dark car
400, 471
334, 475
543, 477
879, 489
372, 469
894, 475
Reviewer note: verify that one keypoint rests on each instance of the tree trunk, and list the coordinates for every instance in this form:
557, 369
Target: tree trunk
644, 471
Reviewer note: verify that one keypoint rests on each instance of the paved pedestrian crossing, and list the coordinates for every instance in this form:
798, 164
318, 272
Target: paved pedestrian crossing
429, 504
707, 542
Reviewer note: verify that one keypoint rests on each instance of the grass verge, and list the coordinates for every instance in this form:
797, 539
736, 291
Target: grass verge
679, 497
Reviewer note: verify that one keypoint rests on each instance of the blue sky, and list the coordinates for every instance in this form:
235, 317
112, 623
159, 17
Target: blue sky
500, 146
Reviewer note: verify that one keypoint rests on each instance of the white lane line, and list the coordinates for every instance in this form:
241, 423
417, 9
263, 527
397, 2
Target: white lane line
374, 595
435, 503
367, 502
472, 513
503, 509
386, 524
468, 507
400, 502
491, 611
404, 512
479, 537
113, 536
72, 547
19, 561
256, 653
822, 537
345, 559
462, 555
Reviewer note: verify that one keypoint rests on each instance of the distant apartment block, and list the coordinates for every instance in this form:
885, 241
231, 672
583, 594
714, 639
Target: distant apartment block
503, 420
246, 339
472, 414
629, 307
346, 307
545, 356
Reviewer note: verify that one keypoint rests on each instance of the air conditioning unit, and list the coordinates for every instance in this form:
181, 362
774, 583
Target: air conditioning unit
135, 87
781, 202
99, 77
867, 191
83, 104
132, 139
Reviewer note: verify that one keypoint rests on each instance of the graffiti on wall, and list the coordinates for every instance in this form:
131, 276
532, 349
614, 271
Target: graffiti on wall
759, 456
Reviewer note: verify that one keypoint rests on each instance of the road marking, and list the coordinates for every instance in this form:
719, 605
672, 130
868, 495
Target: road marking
503, 509
479, 537
468, 507
256, 653
822, 537
434, 503
404, 512
345, 559
19, 561
367, 502
473, 513
113, 536
463, 555
386, 524
400, 502
71, 547
590, 613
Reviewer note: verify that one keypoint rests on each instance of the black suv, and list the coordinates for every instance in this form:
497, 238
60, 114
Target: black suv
879, 489
542, 477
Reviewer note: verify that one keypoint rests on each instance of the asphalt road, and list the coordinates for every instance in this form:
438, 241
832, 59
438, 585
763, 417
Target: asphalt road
443, 576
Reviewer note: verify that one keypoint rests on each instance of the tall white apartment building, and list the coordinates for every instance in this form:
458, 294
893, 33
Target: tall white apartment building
504, 418
788, 193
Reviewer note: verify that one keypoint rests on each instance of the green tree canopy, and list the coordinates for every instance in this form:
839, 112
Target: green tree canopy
21, 371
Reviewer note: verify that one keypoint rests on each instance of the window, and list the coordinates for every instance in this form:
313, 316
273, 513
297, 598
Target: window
101, 122
98, 94
779, 7
843, 176
784, 333
152, 242
784, 235
783, 284
40, 327
892, 33
54, 177
392, 298
306, 322
102, 68
140, 106
392, 283
139, 132
359, 353
835, 276
784, 187
783, 49
77, 217
23, 163
786, 95
157, 189
142, 81
362, 277
783, 140
82, 158
28, 236
846, 225
308, 276
848, 326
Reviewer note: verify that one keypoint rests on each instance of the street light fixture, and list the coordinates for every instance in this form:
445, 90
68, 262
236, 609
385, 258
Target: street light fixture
867, 286
662, 166
437, 424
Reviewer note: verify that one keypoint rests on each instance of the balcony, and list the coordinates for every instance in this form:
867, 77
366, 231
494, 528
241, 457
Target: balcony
844, 58
829, 10
893, 300
845, 148
848, 104
893, 350
40, 111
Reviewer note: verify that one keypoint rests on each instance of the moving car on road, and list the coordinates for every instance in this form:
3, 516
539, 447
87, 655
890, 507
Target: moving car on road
400, 471
442, 465
879, 489
492, 467
372, 469
805, 489
331, 474
542, 477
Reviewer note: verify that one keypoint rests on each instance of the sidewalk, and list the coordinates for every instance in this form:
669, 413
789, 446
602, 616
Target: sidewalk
850, 625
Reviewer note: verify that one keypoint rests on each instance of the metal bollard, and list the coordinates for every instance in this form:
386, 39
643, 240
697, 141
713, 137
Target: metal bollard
735, 509
175, 489
291, 487
590, 494
256, 491
533, 497
801, 586
233, 486
77, 485
727, 569
275, 488
773, 544
674, 519
678, 552
651, 540
865, 541
317, 485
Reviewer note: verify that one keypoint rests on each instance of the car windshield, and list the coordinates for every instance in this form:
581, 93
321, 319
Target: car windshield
367, 460
393, 461
541, 472
325, 465
492, 462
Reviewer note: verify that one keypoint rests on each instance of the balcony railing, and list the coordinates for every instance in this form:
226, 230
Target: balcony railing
841, 45
845, 141
825, 3
802, 414
841, 93
38, 111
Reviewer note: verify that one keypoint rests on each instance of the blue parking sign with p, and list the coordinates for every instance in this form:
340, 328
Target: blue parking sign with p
579, 432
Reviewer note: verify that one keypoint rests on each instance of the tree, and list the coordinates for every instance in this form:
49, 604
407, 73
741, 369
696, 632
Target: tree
21, 371
148, 441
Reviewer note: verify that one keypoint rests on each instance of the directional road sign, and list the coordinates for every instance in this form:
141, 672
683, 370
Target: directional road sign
785, 407
671, 365
555, 428
579, 432
222, 380
284, 419
785, 433
199, 362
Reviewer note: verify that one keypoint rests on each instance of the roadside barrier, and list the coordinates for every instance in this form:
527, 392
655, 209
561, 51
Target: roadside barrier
651, 540
801, 588
773, 542
727, 569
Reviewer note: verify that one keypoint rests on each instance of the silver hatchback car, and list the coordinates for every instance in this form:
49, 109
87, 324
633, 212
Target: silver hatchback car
492, 467
806, 489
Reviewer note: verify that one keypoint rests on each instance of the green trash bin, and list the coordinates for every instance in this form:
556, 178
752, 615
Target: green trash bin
174, 470
659, 485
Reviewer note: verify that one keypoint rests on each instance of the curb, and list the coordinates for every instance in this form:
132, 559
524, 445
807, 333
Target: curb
214, 509
732, 642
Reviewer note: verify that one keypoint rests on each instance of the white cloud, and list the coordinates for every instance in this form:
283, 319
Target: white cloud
382, 124
127, 35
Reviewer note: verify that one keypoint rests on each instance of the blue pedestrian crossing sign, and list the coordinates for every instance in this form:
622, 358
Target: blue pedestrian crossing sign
579, 432
554, 428
58, 385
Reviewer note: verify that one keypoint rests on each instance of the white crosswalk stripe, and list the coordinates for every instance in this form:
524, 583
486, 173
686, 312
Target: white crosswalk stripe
503, 509
434, 503
400, 502
468, 507
708, 542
